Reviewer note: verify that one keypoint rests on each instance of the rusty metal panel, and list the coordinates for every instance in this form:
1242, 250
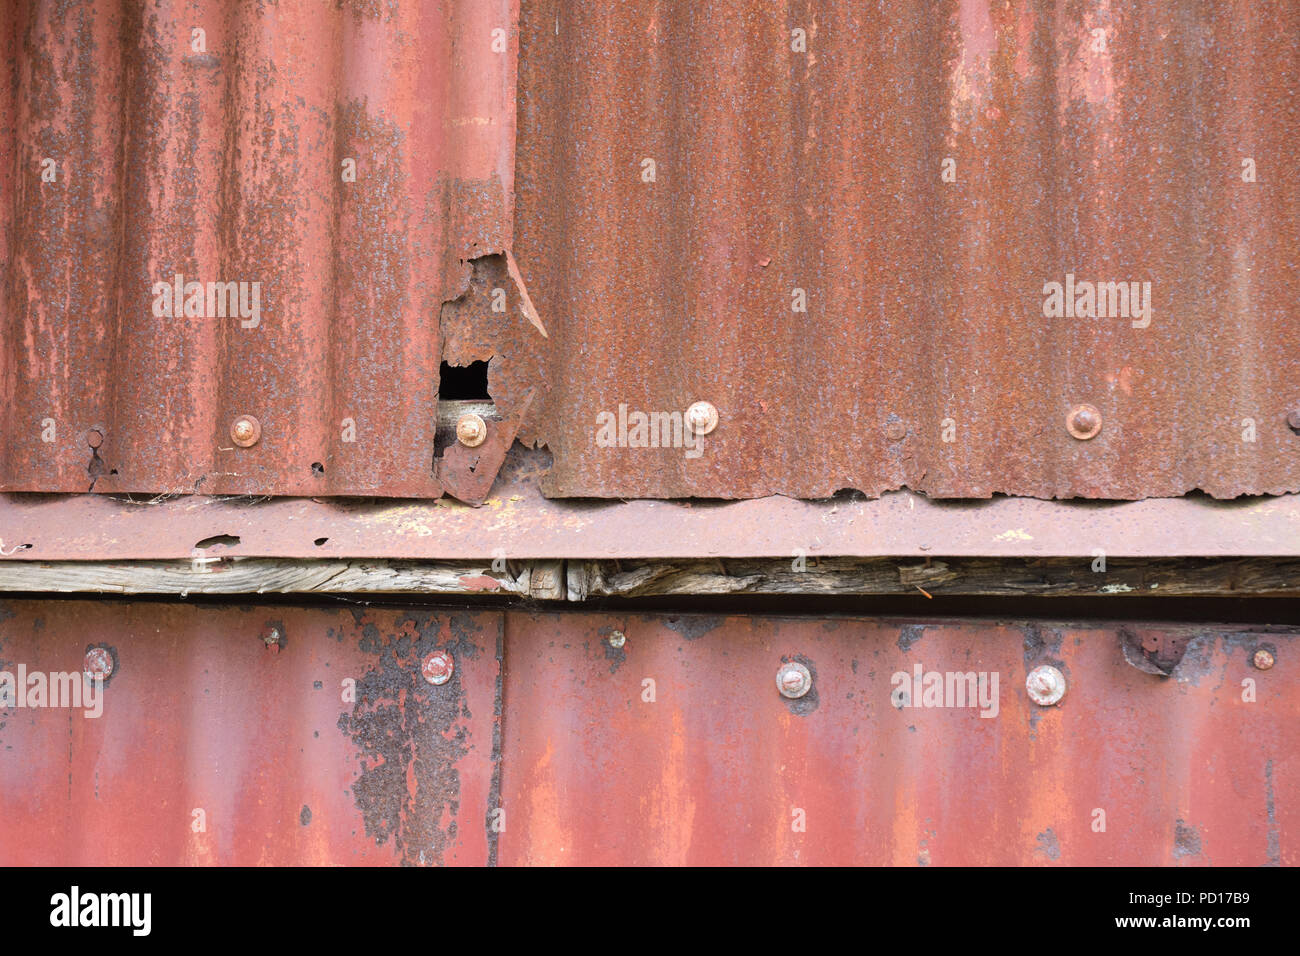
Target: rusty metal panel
145, 139
799, 153
517, 522
677, 748
224, 737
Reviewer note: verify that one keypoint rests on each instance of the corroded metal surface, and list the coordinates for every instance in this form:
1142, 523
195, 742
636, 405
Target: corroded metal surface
348, 158
518, 522
690, 176
228, 736
676, 748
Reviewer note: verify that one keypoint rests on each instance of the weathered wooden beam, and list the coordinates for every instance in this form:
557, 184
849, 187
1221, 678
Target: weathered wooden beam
581, 580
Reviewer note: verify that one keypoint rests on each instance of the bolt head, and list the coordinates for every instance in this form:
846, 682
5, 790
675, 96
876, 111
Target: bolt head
617, 639
245, 431
1046, 685
98, 664
1293, 419
896, 431
471, 430
438, 667
94, 438
1083, 422
793, 680
1263, 659
702, 418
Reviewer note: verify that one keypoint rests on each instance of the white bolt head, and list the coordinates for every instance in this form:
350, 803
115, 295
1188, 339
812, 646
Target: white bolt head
1046, 685
793, 680
702, 418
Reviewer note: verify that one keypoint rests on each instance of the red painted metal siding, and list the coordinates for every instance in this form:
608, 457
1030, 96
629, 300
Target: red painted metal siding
544, 748
200, 713
712, 771
1102, 138
219, 158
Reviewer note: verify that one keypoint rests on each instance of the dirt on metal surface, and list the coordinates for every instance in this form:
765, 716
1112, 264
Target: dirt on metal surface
249, 737
344, 162
836, 222
683, 751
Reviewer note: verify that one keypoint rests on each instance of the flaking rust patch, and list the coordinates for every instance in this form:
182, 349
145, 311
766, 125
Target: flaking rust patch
411, 735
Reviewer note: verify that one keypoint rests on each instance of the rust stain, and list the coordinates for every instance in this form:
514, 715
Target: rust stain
318, 153
331, 750
1102, 139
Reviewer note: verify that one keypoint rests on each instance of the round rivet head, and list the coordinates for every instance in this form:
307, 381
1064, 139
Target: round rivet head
617, 639
1263, 659
1046, 685
1083, 422
245, 431
98, 664
471, 430
896, 431
94, 438
793, 680
438, 667
702, 418
1293, 419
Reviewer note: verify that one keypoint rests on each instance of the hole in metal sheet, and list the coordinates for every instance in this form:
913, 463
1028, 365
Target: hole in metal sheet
463, 382
218, 540
320, 541
317, 469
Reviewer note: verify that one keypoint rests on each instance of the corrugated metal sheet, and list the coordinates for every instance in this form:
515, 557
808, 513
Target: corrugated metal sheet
214, 747
209, 140
550, 745
677, 749
517, 522
796, 147
1103, 139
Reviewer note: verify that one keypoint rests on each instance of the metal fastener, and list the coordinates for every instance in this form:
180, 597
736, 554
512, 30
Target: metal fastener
1083, 422
1046, 685
793, 680
245, 431
1263, 659
471, 430
94, 438
1293, 419
617, 639
702, 418
438, 667
896, 431
98, 664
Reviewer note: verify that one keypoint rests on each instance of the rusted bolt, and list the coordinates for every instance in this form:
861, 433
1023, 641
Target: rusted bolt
94, 438
1083, 422
438, 667
793, 680
1263, 659
245, 431
1293, 420
896, 431
1046, 685
471, 430
702, 418
98, 664
617, 639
